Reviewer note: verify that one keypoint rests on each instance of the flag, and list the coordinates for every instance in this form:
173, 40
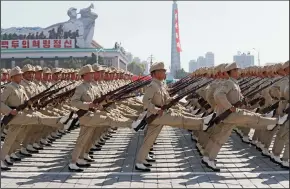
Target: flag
177, 36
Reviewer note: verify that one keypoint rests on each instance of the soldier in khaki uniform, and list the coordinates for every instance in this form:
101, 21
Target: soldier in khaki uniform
155, 97
82, 99
210, 89
227, 95
14, 95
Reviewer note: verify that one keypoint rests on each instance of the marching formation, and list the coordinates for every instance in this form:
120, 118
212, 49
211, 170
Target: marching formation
39, 105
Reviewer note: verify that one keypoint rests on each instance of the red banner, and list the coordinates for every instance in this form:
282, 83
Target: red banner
37, 43
178, 46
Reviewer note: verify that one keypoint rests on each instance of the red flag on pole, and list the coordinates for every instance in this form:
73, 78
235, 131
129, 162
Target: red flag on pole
178, 46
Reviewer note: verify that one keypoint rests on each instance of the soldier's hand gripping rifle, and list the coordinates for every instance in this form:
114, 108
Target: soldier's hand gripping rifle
225, 114
151, 118
105, 97
7, 118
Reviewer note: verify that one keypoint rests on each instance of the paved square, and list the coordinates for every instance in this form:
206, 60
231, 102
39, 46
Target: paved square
178, 165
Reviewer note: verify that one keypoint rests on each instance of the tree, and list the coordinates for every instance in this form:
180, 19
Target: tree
136, 68
180, 74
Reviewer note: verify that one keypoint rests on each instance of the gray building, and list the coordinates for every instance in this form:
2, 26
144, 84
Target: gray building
175, 55
209, 59
201, 62
244, 60
129, 57
137, 60
192, 66
146, 66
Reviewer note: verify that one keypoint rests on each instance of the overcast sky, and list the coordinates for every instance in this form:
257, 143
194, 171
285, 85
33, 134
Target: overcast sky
144, 28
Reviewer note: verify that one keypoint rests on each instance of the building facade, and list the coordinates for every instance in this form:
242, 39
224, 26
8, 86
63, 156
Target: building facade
201, 62
244, 60
192, 65
209, 59
59, 45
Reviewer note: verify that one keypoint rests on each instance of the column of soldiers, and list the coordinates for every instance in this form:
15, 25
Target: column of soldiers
41, 123
213, 91
264, 111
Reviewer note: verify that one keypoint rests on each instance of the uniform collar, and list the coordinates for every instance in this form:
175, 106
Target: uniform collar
157, 81
234, 80
15, 84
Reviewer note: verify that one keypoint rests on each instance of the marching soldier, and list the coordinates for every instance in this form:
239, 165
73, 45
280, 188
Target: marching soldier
14, 95
83, 99
154, 98
226, 96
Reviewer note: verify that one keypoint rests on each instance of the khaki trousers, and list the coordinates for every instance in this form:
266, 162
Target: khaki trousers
95, 136
257, 135
203, 137
241, 117
175, 120
149, 139
281, 140
217, 138
85, 135
102, 118
10, 138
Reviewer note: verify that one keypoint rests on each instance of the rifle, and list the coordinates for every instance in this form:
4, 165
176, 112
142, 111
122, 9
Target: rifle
181, 80
120, 96
58, 97
251, 94
152, 117
7, 118
251, 84
175, 90
48, 94
226, 113
82, 112
270, 108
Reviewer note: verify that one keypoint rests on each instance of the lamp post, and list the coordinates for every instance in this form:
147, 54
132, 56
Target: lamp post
151, 58
258, 55
99, 50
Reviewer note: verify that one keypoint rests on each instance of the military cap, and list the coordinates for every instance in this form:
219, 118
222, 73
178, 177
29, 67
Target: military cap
15, 71
46, 70
285, 65
28, 68
38, 68
231, 66
219, 68
56, 70
86, 69
75, 71
97, 67
278, 66
3, 71
157, 66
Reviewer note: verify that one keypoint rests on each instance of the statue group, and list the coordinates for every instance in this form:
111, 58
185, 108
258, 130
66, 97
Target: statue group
81, 29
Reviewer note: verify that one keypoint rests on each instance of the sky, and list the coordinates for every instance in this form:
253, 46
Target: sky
144, 27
